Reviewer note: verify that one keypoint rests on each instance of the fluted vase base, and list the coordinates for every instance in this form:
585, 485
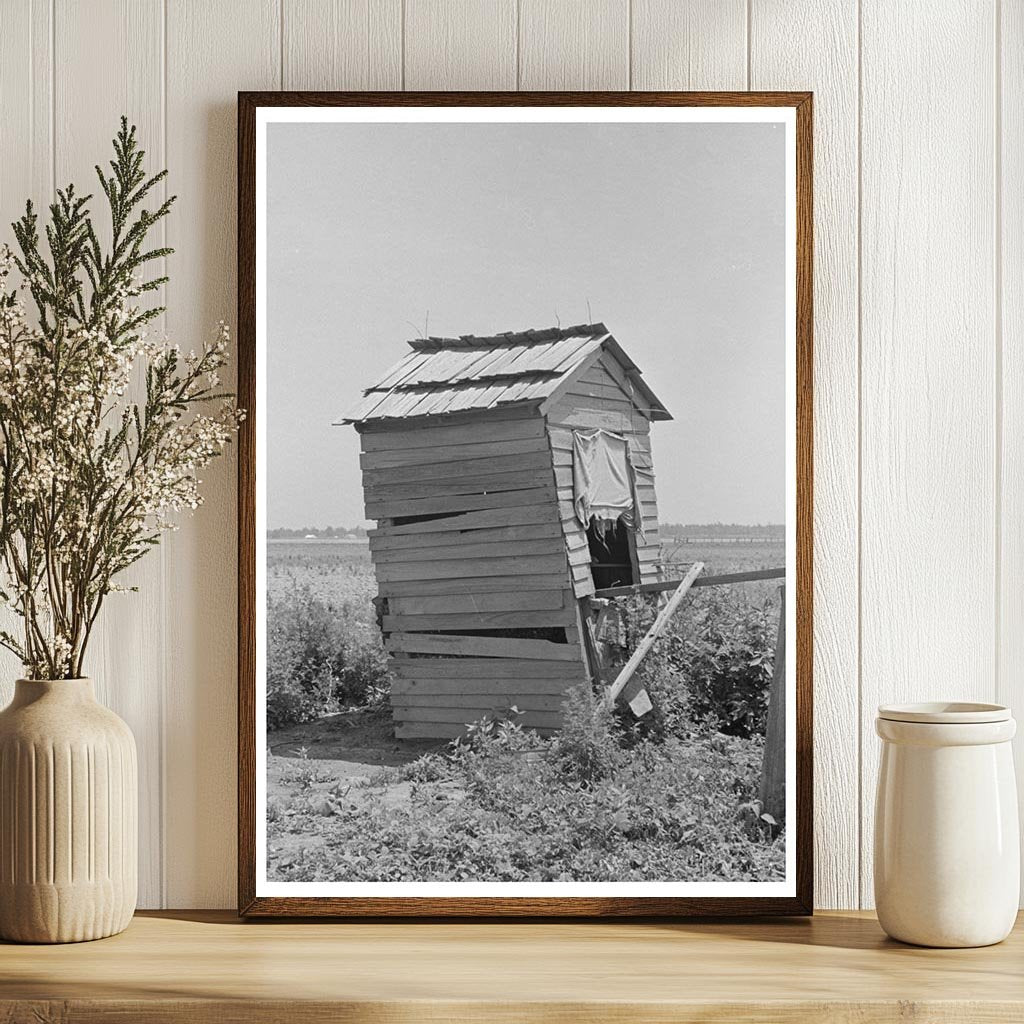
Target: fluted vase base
68, 815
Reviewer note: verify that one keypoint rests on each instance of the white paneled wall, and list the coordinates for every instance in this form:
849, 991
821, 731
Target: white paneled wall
919, 316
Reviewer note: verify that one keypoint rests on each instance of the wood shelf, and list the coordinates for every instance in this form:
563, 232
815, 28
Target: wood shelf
201, 967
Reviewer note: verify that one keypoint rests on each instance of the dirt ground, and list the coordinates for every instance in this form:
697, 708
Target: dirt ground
362, 738
333, 757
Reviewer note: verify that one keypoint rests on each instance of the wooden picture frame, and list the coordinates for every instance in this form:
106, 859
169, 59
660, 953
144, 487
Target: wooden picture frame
799, 833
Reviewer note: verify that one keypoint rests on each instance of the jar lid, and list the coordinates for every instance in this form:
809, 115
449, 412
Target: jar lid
945, 713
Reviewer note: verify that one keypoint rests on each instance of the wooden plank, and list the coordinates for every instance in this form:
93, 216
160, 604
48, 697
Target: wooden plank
469, 45
584, 389
26, 83
452, 538
492, 483
537, 457
772, 789
452, 568
703, 581
474, 585
395, 508
928, 468
518, 516
466, 550
581, 556
616, 372
617, 403
489, 428
694, 44
1009, 685
539, 971
26, 113
574, 44
127, 657
212, 51
525, 600
627, 671
423, 731
598, 374
402, 458
342, 44
560, 437
815, 46
479, 620
484, 668
405, 704
483, 646
490, 686
588, 419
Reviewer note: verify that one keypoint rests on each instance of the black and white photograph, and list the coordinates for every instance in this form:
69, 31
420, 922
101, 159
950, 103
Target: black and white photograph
525, 502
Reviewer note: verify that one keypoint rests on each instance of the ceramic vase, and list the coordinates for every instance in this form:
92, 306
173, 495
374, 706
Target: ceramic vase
68, 815
947, 848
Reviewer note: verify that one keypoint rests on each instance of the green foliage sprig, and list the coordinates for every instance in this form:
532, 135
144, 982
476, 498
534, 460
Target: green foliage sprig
90, 476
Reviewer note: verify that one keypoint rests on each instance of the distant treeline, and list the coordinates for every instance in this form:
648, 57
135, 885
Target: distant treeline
321, 533
724, 531
680, 531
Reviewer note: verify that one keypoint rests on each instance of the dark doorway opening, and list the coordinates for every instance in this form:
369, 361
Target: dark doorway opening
611, 553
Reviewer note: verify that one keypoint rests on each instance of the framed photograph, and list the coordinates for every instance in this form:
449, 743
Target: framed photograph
525, 493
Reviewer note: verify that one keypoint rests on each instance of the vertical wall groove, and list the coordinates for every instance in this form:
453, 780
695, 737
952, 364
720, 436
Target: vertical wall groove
997, 317
53, 97
629, 44
165, 659
750, 64
519, 43
859, 868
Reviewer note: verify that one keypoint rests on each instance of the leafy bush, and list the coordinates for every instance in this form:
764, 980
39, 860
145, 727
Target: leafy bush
319, 659
587, 748
711, 669
724, 651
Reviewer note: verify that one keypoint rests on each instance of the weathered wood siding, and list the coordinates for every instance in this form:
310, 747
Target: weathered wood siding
494, 560
598, 399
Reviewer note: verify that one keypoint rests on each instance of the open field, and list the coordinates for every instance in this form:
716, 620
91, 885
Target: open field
603, 801
341, 571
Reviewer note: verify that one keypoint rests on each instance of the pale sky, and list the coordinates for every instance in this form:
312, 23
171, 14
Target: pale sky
674, 233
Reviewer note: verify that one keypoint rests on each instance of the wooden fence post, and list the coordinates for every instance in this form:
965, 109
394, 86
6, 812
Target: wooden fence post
773, 768
652, 634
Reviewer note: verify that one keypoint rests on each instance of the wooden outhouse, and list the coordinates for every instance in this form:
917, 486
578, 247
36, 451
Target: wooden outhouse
494, 467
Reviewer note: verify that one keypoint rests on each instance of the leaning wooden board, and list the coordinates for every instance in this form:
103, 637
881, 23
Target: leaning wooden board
482, 646
533, 618
207, 967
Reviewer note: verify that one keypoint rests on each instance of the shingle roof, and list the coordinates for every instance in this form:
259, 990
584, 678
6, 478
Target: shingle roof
447, 375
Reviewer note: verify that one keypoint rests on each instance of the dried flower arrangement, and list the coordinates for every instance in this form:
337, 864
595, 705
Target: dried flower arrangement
91, 468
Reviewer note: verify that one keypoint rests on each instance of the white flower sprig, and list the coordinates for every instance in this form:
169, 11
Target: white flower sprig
90, 477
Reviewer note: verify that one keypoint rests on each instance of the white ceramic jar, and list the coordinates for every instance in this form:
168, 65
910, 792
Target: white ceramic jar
947, 848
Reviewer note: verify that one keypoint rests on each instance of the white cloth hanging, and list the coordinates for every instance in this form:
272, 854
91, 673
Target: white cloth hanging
604, 484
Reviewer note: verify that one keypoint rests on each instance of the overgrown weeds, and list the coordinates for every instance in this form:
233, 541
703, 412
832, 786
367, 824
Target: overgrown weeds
591, 804
320, 659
